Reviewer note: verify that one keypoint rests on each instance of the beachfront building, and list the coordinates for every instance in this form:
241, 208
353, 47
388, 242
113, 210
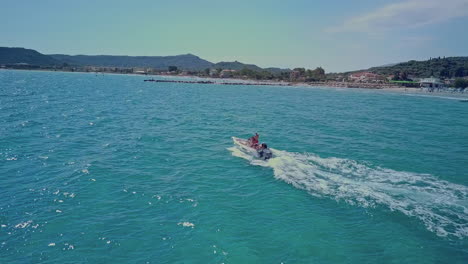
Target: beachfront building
431, 83
226, 73
364, 77
92, 68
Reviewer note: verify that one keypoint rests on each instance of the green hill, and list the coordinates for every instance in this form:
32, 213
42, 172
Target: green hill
235, 66
22, 55
450, 67
241, 66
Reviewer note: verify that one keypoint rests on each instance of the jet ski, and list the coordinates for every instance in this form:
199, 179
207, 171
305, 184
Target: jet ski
261, 153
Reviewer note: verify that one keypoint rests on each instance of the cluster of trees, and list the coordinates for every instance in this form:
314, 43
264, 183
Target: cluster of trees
298, 74
461, 83
172, 69
252, 74
400, 76
245, 72
309, 75
458, 72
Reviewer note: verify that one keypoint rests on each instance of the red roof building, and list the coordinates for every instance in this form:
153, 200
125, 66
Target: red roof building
364, 76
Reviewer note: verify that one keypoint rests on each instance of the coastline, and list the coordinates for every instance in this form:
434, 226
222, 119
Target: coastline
236, 81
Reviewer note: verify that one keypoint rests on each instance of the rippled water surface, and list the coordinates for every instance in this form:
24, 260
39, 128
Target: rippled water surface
111, 169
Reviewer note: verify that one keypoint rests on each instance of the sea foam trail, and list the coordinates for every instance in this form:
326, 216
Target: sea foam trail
442, 206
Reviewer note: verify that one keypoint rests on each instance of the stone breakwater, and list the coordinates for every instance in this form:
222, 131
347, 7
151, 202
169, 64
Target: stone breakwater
323, 84
211, 82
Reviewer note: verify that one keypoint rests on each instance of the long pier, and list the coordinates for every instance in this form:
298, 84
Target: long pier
211, 82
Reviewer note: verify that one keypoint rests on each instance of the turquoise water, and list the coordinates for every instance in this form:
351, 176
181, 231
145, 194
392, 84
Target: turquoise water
110, 169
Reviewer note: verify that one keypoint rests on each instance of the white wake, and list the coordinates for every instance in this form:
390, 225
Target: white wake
442, 206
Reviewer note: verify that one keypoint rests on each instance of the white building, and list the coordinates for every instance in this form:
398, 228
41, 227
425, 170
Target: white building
431, 83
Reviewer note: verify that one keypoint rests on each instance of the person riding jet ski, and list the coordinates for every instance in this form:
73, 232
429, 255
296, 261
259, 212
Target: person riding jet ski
253, 141
264, 152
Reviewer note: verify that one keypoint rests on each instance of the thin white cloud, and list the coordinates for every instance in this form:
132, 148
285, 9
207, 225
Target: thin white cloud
408, 14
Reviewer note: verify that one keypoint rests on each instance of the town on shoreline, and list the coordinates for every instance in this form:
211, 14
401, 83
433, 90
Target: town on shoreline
364, 80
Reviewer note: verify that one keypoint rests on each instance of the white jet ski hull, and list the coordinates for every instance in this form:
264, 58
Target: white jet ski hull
244, 146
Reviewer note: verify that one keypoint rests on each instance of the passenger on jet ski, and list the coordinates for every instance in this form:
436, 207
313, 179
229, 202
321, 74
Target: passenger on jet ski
253, 141
264, 152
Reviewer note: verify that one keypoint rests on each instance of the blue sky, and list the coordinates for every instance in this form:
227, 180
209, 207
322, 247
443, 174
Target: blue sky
338, 35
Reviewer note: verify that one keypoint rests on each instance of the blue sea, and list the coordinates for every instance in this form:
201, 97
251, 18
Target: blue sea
102, 168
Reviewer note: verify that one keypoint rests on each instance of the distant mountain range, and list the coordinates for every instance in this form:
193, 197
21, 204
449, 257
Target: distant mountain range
184, 62
438, 67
